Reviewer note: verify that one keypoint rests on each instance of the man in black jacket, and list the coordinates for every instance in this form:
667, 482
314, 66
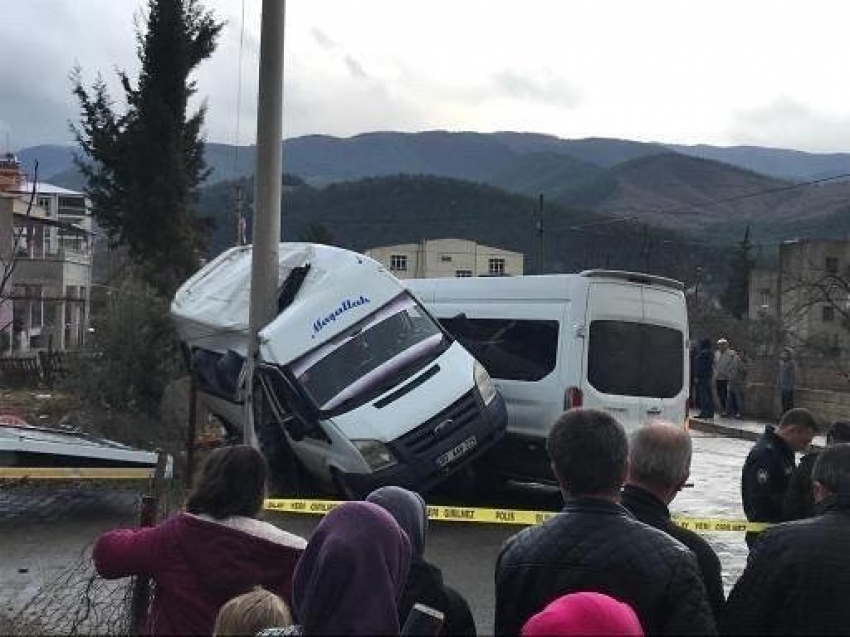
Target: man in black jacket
659, 466
703, 374
798, 573
799, 499
595, 545
770, 463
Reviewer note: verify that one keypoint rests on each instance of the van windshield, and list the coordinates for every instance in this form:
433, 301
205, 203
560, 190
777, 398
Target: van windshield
370, 355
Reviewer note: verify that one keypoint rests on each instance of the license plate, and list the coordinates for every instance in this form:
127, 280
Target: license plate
457, 451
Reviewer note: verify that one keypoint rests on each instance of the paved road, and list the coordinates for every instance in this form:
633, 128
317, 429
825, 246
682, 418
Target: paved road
46, 532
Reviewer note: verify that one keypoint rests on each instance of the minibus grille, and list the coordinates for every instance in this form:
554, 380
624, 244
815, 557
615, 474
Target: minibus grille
452, 419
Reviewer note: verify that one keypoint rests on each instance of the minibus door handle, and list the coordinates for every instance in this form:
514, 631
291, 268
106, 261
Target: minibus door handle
654, 411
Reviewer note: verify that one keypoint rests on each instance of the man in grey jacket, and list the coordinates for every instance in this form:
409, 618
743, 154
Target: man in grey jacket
724, 361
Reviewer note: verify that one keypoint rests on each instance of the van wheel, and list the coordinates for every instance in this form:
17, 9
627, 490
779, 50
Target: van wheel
344, 490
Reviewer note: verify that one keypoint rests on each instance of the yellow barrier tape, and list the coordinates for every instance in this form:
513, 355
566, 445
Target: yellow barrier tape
507, 516
76, 473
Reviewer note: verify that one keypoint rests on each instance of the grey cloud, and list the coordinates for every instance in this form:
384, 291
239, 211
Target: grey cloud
322, 39
788, 123
550, 90
355, 68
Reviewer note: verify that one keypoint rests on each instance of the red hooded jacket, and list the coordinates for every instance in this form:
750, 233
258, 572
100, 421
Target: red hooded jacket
197, 564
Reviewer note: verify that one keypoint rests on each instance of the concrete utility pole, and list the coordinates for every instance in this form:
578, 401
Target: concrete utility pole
269, 175
541, 237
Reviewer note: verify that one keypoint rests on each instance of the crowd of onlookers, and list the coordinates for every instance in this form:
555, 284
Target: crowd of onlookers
612, 562
719, 379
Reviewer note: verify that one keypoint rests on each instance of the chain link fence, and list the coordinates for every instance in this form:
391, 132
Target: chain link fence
48, 585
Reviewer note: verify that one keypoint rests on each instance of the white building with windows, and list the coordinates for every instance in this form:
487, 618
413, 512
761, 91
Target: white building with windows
50, 243
447, 258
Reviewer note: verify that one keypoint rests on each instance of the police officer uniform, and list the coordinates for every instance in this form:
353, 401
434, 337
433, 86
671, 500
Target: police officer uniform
765, 478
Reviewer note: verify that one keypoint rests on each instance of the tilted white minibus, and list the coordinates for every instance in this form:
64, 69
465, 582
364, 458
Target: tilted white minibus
356, 384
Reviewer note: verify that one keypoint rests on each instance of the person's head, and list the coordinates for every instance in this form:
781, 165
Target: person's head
722, 345
352, 573
232, 482
660, 459
831, 473
584, 614
588, 450
797, 427
838, 432
409, 510
786, 354
251, 613
705, 343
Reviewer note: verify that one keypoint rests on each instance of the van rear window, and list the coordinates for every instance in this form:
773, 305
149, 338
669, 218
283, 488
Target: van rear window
635, 359
509, 349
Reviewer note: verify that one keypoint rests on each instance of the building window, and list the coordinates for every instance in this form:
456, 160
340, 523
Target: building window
831, 265
398, 262
461, 274
44, 202
496, 267
828, 313
765, 298
446, 258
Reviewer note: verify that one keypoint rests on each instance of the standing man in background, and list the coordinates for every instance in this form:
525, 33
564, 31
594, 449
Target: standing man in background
724, 361
787, 379
770, 464
703, 373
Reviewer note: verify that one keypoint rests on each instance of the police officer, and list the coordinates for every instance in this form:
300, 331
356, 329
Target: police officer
770, 463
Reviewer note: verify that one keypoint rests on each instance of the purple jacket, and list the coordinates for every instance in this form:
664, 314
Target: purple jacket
198, 564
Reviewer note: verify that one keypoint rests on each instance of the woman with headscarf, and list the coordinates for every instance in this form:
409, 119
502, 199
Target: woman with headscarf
425, 582
215, 550
352, 574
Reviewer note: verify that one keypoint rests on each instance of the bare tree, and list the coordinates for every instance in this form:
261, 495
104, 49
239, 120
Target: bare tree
805, 293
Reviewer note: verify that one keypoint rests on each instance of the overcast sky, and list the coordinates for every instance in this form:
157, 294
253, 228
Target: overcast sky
722, 72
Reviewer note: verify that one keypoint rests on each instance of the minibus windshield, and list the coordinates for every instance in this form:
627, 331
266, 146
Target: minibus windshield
368, 355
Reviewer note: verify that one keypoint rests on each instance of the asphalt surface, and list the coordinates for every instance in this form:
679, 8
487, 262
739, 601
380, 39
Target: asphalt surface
46, 531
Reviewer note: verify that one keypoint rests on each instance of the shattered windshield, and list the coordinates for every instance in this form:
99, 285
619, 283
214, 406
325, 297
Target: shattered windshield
370, 355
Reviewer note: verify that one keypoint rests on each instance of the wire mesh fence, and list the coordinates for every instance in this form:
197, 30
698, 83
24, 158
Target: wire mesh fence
48, 585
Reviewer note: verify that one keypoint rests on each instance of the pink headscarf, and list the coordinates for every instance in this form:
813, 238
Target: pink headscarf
584, 614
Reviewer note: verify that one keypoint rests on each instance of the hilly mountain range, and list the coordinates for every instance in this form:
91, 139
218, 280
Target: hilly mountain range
703, 189
378, 211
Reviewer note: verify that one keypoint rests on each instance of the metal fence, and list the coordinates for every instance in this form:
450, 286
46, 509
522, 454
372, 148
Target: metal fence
49, 527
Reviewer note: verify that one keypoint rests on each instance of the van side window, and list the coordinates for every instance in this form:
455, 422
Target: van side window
510, 349
635, 359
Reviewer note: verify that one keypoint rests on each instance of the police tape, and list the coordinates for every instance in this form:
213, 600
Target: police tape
445, 513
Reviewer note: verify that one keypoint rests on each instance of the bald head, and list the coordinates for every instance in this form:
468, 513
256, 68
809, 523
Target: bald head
660, 456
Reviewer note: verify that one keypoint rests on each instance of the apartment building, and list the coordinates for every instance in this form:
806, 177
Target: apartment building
46, 238
447, 258
808, 292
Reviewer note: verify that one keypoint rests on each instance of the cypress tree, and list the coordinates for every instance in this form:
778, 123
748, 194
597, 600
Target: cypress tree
736, 296
143, 166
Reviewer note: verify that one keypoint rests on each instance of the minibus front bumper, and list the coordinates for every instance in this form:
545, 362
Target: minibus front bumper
432, 452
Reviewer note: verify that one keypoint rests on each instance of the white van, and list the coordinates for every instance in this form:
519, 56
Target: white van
611, 340
355, 380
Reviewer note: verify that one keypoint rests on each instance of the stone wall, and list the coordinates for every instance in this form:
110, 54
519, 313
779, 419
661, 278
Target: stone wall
761, 401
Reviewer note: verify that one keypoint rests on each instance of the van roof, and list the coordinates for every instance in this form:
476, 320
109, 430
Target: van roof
532, 287
635, 277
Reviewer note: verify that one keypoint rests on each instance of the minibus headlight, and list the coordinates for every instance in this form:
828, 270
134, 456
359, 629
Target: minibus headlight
485, 386
376, 454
